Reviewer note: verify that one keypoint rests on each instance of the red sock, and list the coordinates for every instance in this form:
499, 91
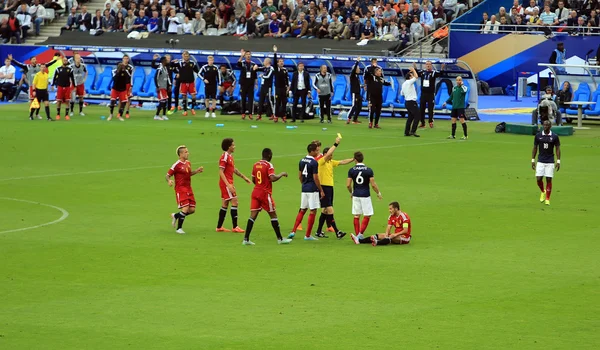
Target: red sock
299, 218
311, 222
356, 225
541, 185
365, 223
548, 190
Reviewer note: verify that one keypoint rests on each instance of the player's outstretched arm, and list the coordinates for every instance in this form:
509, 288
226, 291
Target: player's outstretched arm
198, 171
375, 188
346, 161
275, 178
329, 153
238, 173
557, 157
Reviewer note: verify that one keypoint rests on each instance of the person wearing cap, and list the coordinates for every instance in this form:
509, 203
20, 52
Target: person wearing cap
273, 26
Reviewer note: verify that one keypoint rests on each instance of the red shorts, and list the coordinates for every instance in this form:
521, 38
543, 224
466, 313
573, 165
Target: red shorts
121, 95
63, 94
226, 85
80, 90
31, 91
225, 193
187, 88
185, 199
262, 200
129, 90
401, 240
162, 94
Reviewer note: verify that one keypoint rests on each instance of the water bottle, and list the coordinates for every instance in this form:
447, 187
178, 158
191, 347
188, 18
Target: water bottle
220, 125
254, 127
291, 127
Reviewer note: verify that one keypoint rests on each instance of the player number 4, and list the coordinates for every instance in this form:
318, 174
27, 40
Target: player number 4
305, 171
359, 178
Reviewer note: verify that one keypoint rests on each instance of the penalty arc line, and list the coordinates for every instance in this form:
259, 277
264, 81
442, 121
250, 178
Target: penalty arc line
241, 159
65, 214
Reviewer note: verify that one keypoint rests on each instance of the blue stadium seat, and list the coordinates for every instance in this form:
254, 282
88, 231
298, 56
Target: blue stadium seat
595, 109
200, 89
441, 96
582, 94
138, 80
102, 86
392, 93
339, 90
91, 78
149, 89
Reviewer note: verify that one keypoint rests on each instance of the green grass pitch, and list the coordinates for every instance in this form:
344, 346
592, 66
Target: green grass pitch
489, 267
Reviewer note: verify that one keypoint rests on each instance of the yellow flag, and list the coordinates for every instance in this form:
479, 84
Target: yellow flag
35, 104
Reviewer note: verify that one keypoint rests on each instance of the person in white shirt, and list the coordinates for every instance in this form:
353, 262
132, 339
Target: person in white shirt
7, 79
25, 19
410, 96
38, 13
186, 26
529, 10
174, 23
198, 24
561, 12
492, 26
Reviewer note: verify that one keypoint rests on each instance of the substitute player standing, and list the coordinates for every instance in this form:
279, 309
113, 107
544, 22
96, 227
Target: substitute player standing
323, 84
129, 68
375, 92
458, 100
326, 165
171, 69
312, 192
40, 86
361, 177
228, 194
266, 86
63, 80
356, 94
263, 176
282, 87
182, 171
398, 221
187, 78
119, 90
209, 73
546, 141
162, 81
80, 73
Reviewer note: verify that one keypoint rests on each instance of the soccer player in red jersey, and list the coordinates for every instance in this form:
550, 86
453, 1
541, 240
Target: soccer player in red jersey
182, 171
228, 195
399, 221
263, 176
119, 90
63, 79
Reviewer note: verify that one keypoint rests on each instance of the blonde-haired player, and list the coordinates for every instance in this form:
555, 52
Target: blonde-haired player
268, 72
209, 73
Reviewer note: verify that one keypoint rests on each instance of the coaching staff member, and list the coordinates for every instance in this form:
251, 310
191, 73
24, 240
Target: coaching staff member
300, 89
428, 78
410, 95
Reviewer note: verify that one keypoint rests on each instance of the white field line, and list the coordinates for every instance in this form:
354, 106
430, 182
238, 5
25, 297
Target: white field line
164, 166
65, 214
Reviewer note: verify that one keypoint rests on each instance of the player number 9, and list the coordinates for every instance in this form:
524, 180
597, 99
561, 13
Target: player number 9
259, 177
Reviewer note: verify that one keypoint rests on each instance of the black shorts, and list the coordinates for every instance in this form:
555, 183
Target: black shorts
327, 201
458, 113
41, 95
210, 92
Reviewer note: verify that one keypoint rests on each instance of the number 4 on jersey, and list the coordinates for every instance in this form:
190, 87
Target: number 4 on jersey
305, 171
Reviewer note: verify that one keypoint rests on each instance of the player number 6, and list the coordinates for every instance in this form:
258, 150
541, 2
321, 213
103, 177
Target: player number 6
359, 178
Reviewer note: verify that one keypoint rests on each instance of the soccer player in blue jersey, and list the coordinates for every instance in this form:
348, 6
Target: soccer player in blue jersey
312, 192
360, 179
546, 141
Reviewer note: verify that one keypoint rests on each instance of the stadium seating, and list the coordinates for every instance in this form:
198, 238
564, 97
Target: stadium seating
582, 94
339, 90
441, 96
102, 86
138, 80
392, 93
594, 109
91, 78
149, 89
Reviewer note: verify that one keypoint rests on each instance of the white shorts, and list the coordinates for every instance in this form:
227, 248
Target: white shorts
362, 206
310, 200
544, 169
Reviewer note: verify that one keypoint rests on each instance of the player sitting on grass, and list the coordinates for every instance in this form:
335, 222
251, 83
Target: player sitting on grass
263, 176
399, 221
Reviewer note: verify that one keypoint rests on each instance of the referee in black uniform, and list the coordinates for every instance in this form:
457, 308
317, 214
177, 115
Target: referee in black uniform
428, 78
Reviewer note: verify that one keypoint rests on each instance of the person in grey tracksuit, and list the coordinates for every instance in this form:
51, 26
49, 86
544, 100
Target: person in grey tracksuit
162, 81
324, 86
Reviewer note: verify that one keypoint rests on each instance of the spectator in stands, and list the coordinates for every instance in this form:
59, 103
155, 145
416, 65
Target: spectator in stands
426, 4
84, 20
199, 24
520, 27
416, 29
224, 13
505, 27
231, 25
529, 11
534, 19
141, 22
9, 6
241, 28
57, 5
71, 21
426, 20
285, 28
347, 11
389, 15
239, 8
517, 6
273, 28
393, 32
163, 22
210, 18
7, 80
14, 27
4, 31
484, 21
284, 10
119, 9
580, 27
37, 12
25, 19
298, 9
108, 21
119, 22
186, 26
591, 27
502, 13
299, 26
547, 19
174, 23
153, 22
451, 9
368, 18
403, 38
336, 28
439, 17
270, 8
380, 30
573, 19
561, 12
415, 11
354, 29
594, 16
492, 26
129, 21
97, 21
514, 13
112, 4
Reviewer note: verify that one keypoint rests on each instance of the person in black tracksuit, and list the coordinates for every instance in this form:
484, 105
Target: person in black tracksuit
428, 78
375, 92
355, 94
300, 90
282, 86
247, 81
171, 70
268, 72
369, 72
